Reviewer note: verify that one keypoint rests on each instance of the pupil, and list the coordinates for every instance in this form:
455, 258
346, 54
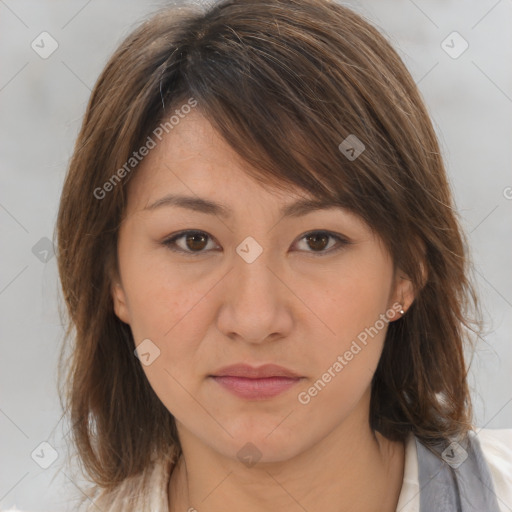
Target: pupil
192, 240
314, 238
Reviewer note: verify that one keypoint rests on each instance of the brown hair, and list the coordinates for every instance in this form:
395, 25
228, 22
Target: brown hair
284, 82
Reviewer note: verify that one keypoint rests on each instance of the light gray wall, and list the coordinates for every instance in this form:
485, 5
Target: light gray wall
41, 104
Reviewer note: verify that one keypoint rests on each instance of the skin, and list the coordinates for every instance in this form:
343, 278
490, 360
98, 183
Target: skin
292, 306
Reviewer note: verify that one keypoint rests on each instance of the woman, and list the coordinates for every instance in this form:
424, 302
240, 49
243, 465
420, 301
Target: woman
266, 281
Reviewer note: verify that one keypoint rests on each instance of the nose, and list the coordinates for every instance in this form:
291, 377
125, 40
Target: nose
256, 304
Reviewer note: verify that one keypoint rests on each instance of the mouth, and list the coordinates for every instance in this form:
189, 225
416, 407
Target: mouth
256, 383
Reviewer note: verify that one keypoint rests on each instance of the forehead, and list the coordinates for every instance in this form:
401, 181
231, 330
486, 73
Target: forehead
193, 168
194, 160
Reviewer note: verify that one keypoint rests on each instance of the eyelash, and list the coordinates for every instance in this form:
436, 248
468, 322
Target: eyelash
170, 242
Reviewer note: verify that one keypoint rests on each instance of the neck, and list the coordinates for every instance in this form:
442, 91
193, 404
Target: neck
350, 469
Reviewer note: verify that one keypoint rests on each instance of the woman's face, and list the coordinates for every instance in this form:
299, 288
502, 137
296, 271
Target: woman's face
257, 285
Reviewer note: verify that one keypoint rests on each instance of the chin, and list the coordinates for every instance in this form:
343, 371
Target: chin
263, 440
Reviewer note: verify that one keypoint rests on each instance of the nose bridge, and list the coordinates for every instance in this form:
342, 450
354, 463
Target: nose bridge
253, 307
253, 277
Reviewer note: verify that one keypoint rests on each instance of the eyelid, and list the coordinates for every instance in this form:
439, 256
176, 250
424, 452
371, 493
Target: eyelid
343, 241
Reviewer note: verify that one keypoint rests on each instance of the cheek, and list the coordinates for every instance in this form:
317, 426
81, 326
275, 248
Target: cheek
352, 303
352, 297
342, 366
172, 307
171, 312
159, 295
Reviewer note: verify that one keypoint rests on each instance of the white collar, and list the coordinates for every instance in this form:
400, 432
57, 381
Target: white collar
409, 499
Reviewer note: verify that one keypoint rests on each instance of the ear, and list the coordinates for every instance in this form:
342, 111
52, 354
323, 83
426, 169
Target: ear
120, 303
403, 294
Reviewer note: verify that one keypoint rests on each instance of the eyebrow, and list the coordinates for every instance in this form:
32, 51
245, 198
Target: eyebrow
198, 204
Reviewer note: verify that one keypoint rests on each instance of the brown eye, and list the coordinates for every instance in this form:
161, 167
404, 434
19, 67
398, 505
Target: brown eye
193, 243
318, 241
196, 241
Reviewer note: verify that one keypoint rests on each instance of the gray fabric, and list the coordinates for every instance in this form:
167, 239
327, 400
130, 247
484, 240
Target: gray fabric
454, 477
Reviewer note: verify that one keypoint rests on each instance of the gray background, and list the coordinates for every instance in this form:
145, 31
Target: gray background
41, 105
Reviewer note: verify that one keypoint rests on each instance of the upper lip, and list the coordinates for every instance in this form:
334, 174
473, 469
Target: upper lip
255, 372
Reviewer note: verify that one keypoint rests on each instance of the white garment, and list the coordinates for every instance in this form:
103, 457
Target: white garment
496, 446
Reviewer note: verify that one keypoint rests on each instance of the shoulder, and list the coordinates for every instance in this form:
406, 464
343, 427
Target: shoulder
496, 447
147, 491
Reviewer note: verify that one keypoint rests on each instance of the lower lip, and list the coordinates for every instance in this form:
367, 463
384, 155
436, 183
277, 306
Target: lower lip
256, 389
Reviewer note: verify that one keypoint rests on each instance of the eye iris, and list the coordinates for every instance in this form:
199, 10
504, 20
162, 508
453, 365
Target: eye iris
196, 241
315, 238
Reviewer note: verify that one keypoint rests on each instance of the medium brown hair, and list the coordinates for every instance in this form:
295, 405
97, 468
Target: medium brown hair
284, 82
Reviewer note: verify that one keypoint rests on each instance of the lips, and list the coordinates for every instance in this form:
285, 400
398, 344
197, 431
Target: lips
251, 372
256, 383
